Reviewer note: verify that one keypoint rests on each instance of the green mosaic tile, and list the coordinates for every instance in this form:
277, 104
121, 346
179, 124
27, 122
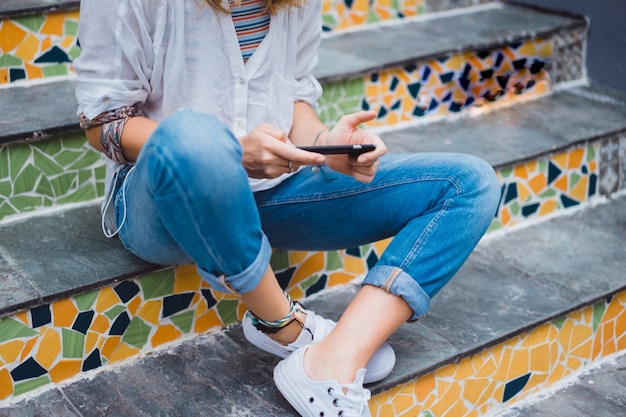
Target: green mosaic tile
6, 188
9, 61
86, 193
25, 203
30, 385
26, 180
7, 210
71, 27
184, 321
157, 284
73, 343
13, 329
33, 23
18, 156
227, 310
598, 312
44, 187
55, 70
64, 183
85, 301
309, 282
137, 333
279, 260
333, 261
559, 322
46, 163
115, 311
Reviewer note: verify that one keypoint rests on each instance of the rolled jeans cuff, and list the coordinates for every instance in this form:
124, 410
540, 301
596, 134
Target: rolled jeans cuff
397, 282
245, 281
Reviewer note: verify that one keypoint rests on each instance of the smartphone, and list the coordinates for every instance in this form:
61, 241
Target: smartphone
340, 149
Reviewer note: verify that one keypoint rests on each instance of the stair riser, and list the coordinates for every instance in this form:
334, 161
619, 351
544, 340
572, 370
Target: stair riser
62, 170
347, 14
564, 180
505, 373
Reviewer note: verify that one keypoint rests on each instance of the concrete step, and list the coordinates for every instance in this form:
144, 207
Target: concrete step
70, 269
528, 309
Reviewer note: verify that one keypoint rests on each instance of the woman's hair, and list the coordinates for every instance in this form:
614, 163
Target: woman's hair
272, 6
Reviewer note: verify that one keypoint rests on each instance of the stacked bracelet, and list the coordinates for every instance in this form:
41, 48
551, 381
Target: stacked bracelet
274, 326
112, 124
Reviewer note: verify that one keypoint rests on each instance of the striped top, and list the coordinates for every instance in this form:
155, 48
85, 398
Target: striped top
252, 22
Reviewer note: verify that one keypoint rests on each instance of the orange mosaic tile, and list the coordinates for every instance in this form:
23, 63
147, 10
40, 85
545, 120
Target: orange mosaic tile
512, 370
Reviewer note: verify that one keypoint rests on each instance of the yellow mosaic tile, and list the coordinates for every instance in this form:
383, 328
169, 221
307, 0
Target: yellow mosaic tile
513, 370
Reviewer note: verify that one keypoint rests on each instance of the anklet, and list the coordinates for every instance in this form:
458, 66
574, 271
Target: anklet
274, 326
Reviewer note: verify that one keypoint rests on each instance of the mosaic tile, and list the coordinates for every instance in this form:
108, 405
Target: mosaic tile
49, 173
547, 185
569, 55
56, 341
517, 368
444, 85
36, 47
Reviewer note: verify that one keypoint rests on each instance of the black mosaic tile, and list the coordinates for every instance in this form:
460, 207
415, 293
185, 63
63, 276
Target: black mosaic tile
208, 296
40, 316
54, 55
176, 303
93, 361
512, 388
284, 277
29, 369
83, 321
319, 285
120, 324
127, 290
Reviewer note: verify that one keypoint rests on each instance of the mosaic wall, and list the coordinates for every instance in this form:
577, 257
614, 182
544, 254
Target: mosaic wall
48, 173
339, 15
523, 366
541, 187
57, 341
444, 85
35, 47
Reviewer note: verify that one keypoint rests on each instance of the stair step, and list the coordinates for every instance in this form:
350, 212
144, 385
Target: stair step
520, 134
526, 309
17, 8
406, 41
412, 48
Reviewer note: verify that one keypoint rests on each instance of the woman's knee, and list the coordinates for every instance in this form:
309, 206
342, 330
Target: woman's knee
197, 144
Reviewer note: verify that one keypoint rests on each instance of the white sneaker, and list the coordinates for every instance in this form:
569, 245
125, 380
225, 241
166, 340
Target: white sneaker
380, 365
320, 398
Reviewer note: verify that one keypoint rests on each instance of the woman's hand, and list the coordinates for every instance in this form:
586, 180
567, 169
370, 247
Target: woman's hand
268, 153
346, 132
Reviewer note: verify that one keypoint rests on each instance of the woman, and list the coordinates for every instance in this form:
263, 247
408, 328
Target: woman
200, 109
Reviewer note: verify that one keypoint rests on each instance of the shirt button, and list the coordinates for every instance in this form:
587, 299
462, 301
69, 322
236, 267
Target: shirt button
242, 81
106, 98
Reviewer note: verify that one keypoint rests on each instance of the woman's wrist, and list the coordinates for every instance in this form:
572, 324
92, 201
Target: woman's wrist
318, 138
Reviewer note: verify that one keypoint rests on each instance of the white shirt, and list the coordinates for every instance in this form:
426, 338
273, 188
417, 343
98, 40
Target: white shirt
172, 54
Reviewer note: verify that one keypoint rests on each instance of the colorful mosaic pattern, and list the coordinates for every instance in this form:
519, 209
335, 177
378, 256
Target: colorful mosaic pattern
49, 173
541, 187
522, 366
57, 341
36, 47
444, 85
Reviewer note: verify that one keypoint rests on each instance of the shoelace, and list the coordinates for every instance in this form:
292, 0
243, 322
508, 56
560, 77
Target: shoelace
352, 403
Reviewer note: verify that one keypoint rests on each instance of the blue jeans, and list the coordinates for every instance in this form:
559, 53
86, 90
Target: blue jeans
188, 200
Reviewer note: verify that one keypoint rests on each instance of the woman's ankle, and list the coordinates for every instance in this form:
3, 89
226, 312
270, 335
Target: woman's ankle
290, 333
